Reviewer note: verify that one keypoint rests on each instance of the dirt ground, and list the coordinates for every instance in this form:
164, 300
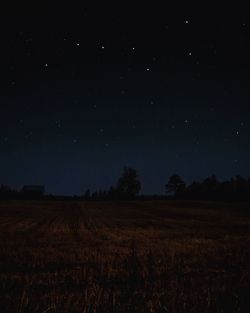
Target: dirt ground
141, 256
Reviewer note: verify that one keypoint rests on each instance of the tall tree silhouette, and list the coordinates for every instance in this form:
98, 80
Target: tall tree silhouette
87, 195
175, 185
128, 185
210, 187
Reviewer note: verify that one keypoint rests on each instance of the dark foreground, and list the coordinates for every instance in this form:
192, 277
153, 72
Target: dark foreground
119, 257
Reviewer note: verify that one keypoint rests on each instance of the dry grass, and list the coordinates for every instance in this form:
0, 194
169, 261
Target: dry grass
124, 257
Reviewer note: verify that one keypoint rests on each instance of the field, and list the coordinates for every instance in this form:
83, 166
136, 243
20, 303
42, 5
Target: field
145, 256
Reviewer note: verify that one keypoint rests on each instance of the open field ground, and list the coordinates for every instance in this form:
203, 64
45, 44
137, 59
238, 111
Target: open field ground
152, 256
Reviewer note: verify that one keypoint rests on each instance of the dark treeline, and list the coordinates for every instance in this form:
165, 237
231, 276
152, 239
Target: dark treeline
235, 189
128, 187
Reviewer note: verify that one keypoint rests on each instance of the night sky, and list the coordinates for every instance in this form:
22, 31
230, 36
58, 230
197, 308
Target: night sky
88, 90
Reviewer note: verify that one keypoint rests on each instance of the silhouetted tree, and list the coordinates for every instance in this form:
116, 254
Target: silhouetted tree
7, 192
94, 195
237, 188
175, 185
87, 195
128, 185
100, 194
111, 193
210, 187
104, 194
194, 190
241, 187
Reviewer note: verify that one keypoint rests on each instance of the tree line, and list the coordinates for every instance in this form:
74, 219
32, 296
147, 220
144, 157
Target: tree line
128, 186
236, 188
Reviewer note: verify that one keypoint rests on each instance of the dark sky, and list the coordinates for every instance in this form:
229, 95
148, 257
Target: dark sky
88, 90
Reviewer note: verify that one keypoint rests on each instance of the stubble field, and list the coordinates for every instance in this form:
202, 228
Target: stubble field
141, 256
